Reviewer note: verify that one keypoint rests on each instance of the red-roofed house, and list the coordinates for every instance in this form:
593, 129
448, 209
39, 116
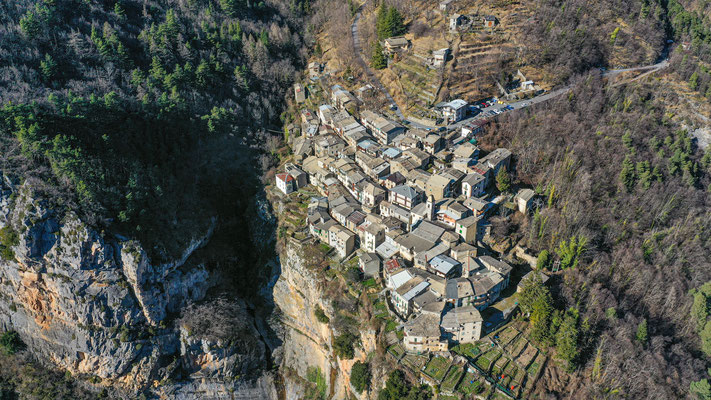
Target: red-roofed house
286, 183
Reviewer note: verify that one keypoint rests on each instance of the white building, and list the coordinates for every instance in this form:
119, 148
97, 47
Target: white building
286, 183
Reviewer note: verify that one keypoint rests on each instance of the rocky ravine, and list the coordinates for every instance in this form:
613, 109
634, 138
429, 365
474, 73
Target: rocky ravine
96, 306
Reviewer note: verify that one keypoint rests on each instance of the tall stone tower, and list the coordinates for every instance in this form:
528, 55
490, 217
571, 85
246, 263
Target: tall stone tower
430, 208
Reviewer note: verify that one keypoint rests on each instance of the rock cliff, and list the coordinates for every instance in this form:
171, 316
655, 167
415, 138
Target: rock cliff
308, 343
97, 307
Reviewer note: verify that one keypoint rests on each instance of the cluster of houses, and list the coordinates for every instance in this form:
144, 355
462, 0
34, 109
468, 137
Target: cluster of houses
412, 203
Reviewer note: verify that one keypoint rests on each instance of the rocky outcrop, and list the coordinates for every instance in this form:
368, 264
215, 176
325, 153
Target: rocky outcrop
96, 305
306, 341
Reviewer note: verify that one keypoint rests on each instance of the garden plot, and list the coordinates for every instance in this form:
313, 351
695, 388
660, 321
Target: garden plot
518, 349
486, 360
437, 368
413, 362
471, 384
449, 384
397, 351
527, 355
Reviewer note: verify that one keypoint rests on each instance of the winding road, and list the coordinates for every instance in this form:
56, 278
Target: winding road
485, 112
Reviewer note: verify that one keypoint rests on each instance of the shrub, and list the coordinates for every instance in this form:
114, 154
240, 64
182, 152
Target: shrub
544, 260
360, 376
10, 342
343, 345
8, 239
321, 316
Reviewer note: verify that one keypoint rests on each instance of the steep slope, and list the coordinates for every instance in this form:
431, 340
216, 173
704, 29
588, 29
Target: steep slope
622, 177
132, 143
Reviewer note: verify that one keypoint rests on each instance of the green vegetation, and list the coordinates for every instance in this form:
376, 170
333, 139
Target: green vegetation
503, 180
397, 388
343, 345
437, 367
470, 385
642, 336
360, 376
21, 377
137, 118
10, 342
550, 326
449, 383
701, 389
315, 376
378, 60
544, 260
8, 239
571, 251
320, 315
389, 22
700, 311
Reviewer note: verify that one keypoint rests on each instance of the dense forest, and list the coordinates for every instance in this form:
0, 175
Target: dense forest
626, 214
137, 113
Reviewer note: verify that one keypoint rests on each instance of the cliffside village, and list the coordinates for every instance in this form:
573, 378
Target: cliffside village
413, 205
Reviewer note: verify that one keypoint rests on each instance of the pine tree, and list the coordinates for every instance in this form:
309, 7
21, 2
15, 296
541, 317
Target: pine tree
694, 81
394, 22
378, 60
627, 175
702, 389
567, 340
503, 181
119, 11
544, 258
644, 174
642, 336
381, 21
47, 67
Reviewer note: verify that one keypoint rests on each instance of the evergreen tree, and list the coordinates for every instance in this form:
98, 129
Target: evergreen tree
503, 181
694, 81
360, 376
394, 22
702, 389
47, 67
567, 340
641, 335
119, 11
381, 21
627, 175
544, 259
378, 60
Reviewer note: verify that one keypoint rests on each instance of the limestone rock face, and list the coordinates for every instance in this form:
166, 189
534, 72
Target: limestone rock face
306, 341
96, 305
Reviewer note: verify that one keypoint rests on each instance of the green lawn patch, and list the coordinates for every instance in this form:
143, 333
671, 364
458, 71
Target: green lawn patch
370, 283
391, 326
469, 350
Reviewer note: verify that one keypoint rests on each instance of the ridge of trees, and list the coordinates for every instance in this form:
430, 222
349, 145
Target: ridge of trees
129, 102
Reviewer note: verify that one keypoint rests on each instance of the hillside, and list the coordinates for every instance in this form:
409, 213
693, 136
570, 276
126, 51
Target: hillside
138, 129
127, 108
619, 174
